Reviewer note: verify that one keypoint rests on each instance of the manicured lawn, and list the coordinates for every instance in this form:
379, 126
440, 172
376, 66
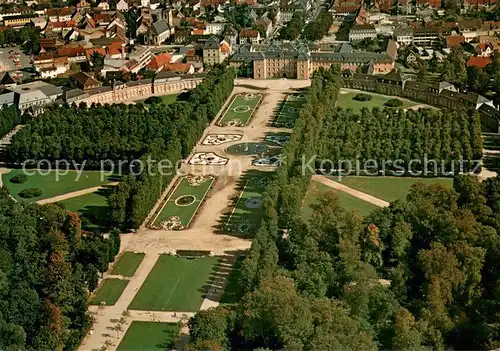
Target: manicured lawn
175, 284
168, 99
346, 101
389, 188
349, 202
241, 109
232, 291
246, 215
127, 263
175, 205
109, 291
289, 111
51, 184
92, 208
149, 336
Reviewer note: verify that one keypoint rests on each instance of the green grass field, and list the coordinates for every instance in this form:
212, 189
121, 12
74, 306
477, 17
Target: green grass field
149, 336
109, 291
348, 202
185, 211
175, 284
240, 110
289, 111
389, 188
232, 291
345, 100
168, 99
247, 212
51, 185
92, 208
128, 263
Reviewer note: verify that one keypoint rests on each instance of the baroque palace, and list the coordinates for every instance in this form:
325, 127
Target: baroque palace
297, 60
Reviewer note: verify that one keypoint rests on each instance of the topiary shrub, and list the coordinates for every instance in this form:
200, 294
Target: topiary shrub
19, 179
30, 193
362, 97
394, 103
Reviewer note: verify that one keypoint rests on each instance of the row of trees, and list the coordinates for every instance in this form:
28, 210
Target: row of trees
421, 274
315, 30
47, 268
292, 29
9, 118
391, 134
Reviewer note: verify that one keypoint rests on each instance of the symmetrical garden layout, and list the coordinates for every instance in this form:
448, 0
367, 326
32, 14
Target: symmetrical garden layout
240, 110
289, 110
142, 335
183, 202
176, 284
246, 213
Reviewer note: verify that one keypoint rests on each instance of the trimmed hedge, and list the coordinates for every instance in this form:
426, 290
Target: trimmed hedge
394, 103
362, 97
19, 179
30, 193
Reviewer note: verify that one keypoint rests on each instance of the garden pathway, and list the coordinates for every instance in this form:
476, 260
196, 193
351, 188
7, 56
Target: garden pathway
73, 194
360, 195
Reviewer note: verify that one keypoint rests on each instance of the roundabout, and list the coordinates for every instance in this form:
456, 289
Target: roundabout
246, 149
185, 200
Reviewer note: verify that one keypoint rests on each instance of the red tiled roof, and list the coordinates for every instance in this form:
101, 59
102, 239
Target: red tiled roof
479, 62
71, 51
198, 32
454, 41
63, 24
90, 52
159, 61
177, 67
249, 33
224, 48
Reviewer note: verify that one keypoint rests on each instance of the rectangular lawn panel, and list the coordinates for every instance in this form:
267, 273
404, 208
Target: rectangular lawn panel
345, 100
232, 291
184, 210
247, 212
149, 336
289, 111
389, 188
50, 185
128, 263
241, 109
175, 284
348, 202
109, 291
92, 208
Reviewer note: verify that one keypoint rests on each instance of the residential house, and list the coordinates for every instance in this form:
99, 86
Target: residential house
103, 5
159, 32
142, 55
479, 62
214, 28
62, 14
478, 4
425, 37
484, 49
267, 26
178, 67
248, 35
346, 10
362, 31
453, 41
122, 6
212, 52
60, 66
231, 34
84, 81
404, 36
159, 61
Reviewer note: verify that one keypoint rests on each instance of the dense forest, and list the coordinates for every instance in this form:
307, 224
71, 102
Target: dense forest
389, 134
125, 133
47, 268
420, 274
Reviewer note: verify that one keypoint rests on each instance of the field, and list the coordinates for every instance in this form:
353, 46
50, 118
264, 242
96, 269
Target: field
184, 201
92, 208
346, 101
246, 214
232, 291
389, 188
289, 111
109, 291
241, 109
348, 202
149, 336
127, 264
175, 284
50, 185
